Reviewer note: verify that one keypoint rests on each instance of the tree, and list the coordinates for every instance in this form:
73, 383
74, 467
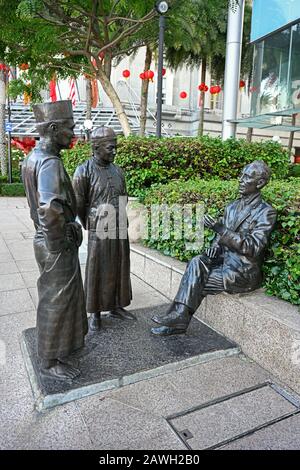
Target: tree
72, 37
198, 36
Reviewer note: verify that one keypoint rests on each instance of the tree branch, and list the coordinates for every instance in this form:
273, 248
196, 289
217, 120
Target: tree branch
145, 19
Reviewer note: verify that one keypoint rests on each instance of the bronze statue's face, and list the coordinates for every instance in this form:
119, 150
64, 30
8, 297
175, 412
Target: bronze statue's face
250, 181
64, 133
105, 149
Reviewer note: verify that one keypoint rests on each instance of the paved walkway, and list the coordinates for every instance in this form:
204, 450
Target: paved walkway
133, 417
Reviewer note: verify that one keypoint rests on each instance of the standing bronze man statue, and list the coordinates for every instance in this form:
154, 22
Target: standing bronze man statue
233, 263
61, 313
101, 200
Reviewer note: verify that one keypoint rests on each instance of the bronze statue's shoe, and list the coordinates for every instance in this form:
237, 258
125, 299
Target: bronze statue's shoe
180, 316
168, 331
166, 319
122, 314
95, 322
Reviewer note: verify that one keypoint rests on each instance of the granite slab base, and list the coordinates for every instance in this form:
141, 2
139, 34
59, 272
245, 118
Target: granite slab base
121, 353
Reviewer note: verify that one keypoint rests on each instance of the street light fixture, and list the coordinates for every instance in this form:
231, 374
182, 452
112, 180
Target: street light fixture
161, 7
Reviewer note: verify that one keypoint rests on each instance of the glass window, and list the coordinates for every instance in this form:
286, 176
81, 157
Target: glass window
271, 75
295, 67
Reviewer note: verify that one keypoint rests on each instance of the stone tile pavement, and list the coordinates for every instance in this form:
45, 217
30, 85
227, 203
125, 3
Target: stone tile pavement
133, 417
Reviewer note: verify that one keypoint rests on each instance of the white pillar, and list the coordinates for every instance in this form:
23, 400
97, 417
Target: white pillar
3, 168
232, 66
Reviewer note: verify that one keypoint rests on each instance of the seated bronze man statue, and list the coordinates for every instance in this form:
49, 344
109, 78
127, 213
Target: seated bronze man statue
233, 263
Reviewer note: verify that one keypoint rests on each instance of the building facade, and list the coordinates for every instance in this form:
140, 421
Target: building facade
180, 116
275, 90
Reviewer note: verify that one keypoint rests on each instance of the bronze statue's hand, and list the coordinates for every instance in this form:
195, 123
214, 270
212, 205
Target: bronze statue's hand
213, 224
209, 221
211, 252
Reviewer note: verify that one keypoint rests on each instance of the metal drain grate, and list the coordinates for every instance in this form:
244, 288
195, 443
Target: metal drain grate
229, 418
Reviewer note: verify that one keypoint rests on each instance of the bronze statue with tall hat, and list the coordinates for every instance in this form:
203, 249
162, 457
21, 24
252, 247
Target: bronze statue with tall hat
61, 314
101, 196
233, 263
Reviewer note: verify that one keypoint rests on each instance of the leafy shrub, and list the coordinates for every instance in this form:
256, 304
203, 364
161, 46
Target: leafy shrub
294, 170
147, 161
13, 189
74, 157
282, 266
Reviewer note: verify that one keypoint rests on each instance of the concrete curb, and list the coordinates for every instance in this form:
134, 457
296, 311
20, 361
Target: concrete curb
266, 328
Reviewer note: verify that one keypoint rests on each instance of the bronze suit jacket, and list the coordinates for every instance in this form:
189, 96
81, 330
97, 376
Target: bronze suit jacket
243, 243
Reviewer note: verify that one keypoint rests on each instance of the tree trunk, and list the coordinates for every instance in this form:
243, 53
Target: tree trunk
202, 98
144, 93
107, 65
249, 134
3, 161
88, 90
116, 102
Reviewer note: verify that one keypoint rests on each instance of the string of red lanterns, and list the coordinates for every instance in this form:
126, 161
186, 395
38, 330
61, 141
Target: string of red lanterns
149, 75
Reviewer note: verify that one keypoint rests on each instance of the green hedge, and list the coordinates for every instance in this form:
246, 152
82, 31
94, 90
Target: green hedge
74, 157
147, 161
282, 266
13, 189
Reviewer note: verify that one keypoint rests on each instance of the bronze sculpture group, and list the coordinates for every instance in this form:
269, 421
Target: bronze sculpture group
98, 197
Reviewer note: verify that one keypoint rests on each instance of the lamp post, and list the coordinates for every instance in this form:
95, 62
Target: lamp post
162, 8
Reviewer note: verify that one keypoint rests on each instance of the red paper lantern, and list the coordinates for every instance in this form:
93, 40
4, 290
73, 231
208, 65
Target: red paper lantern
203, 87
163, 72
142, 76
215, 89
183, 95
126, 73
23, 66
242, 84
149, 74
101, 55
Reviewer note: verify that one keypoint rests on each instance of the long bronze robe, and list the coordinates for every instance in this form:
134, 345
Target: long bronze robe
61, 314
107, 275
